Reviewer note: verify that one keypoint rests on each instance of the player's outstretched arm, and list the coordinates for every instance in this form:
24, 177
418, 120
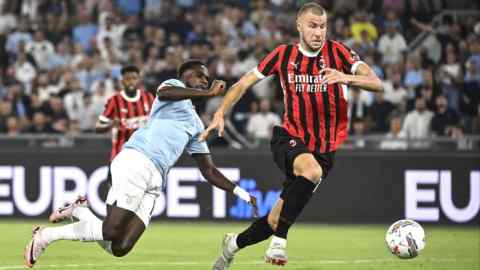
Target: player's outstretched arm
233, 95
104, 126
216, 178
174, 93
364, 78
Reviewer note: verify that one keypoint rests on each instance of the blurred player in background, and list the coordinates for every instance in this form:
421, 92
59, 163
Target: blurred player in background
125, 111
313, 75
139, 171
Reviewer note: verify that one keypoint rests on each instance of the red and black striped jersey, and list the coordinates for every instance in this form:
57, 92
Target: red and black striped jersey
314, 112
131, 113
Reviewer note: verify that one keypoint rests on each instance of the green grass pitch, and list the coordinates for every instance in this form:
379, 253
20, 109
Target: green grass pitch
195, 245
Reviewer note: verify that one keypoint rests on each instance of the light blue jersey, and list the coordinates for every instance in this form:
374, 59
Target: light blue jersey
172, 127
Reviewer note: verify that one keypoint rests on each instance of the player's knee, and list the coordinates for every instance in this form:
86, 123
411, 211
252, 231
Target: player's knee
122, 248
312, 172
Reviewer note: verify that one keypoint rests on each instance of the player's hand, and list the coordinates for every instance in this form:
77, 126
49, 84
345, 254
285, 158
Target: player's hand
217, 123
217, 88
253, 203
332, 76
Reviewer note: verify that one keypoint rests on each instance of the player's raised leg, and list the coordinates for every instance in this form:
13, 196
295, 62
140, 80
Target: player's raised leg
294, 197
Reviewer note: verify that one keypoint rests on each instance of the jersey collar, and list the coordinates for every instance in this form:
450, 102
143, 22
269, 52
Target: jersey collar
308, 53
131, 99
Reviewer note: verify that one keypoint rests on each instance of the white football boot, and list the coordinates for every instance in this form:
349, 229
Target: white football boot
65, 212
226, 258
276, 253
35, 247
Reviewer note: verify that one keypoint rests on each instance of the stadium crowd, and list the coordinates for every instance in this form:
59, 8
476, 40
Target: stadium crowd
60, 60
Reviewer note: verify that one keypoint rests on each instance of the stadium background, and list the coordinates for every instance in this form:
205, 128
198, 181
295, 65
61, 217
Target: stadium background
60, 61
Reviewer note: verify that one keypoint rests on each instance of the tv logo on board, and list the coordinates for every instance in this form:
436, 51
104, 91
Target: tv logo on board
265, 201
441, 200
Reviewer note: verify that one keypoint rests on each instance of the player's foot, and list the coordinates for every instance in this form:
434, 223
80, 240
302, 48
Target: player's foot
277, 252
65, 212
35, 247
226, 258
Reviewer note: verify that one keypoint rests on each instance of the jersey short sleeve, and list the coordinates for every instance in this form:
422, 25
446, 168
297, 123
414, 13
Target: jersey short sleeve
109, 111
270, 64
171, 82
349, 58
196, 147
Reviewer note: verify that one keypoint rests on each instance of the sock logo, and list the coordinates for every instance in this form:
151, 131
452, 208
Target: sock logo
292, 143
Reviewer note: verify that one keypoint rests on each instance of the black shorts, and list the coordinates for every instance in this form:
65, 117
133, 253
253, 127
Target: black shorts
286, 148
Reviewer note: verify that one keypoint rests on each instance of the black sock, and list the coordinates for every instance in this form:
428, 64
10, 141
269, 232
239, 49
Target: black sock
295, 199
257, 232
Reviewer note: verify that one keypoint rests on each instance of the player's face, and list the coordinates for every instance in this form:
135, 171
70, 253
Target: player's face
197, 77
130, 81
312, 29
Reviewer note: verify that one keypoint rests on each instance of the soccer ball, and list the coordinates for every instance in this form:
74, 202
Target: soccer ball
405, 238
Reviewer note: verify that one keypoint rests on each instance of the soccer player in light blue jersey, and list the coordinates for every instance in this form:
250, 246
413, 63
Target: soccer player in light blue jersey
139, 171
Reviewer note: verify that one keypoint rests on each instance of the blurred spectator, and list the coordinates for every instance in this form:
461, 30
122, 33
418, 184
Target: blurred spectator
90, 112
359, 129
109, 32
391, 45
394, 91
395, 139
21, 34
260, 124
84, 32
40, 124
73, 101
25, 72
56, 114
20, 104
363, 26
417, 123
413, 72
451, 77
357, 107
41, 49
445, 119
13, 126
8, 21
129, 7
379, 113
5, 113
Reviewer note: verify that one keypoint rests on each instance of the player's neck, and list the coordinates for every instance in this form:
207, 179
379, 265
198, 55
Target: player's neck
131, 96
307, 51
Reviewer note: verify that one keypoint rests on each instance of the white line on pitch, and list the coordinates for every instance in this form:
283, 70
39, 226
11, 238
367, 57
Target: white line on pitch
316, 262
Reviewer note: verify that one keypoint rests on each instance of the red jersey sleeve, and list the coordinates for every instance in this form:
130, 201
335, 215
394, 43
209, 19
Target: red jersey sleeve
270, 64
348, 57
109, 111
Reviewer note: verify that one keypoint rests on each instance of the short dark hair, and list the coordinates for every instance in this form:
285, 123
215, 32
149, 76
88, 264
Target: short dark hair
189, 64
127, 69
316, 8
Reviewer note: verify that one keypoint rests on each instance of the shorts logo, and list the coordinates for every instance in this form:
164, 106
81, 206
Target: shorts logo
292, 143
129, 198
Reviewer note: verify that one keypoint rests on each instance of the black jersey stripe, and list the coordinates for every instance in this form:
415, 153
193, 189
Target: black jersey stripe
301, 102
286, 85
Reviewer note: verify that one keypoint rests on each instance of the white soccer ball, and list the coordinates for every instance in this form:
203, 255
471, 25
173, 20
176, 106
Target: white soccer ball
405, 238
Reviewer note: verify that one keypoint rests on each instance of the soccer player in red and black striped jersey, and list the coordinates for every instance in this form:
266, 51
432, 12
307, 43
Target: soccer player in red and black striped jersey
125, 111
314, 76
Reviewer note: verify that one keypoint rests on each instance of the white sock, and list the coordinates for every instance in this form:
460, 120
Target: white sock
232, 245
86, 230
278, 241
84, 213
